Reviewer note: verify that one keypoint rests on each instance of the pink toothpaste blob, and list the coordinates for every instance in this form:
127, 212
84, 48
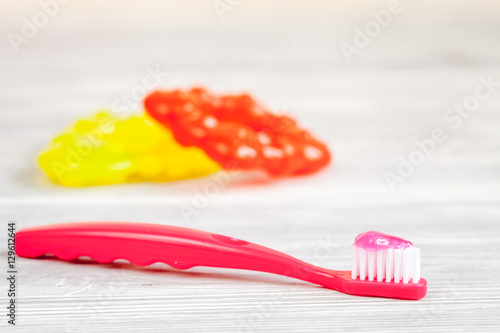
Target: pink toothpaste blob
377, 256
374, 241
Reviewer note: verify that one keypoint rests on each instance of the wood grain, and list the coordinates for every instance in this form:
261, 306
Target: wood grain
371, 112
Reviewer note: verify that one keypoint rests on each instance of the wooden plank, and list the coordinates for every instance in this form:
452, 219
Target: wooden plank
371, 112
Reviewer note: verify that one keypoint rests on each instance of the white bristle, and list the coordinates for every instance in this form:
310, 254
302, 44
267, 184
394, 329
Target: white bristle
391, 265
371, 265
406, 264
416, 264
362, 263
355, 263
398, 260
380, 265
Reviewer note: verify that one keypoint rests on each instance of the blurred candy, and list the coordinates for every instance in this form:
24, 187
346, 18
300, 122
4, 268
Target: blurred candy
237, 132
108, 150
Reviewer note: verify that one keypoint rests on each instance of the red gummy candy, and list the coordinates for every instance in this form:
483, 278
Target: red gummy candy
238, 133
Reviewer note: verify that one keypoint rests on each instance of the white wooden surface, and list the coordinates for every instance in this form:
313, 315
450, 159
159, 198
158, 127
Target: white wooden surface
286, 53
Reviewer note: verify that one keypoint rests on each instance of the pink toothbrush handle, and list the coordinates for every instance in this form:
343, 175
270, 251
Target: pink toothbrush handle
144, 244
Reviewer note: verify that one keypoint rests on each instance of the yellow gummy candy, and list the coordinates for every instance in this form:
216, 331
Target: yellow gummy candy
108, 150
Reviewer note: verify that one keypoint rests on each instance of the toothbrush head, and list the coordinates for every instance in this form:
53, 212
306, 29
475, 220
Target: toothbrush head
377, 256
386, 266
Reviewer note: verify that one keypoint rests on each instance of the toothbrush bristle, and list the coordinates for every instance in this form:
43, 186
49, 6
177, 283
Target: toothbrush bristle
389, 265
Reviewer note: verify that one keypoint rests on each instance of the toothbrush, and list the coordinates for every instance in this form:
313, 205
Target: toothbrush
382, 265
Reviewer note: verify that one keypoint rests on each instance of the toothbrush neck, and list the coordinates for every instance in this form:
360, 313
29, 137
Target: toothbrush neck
306, 272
